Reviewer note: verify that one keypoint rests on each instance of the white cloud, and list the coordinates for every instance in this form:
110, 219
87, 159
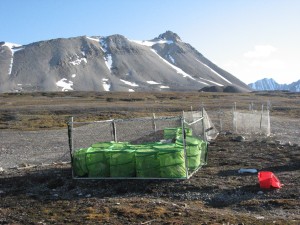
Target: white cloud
260, 51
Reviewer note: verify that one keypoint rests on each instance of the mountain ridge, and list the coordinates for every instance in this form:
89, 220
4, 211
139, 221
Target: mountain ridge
109, 63
269, 84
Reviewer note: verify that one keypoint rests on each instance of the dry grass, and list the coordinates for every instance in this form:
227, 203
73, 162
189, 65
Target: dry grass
33, 111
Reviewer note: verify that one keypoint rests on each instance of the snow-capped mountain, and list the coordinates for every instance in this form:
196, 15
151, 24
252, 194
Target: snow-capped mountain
271, 85
112, 63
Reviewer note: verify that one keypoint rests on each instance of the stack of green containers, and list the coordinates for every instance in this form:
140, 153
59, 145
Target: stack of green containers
171, 161
149, 160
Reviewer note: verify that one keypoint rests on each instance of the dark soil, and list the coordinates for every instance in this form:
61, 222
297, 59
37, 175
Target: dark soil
216, 194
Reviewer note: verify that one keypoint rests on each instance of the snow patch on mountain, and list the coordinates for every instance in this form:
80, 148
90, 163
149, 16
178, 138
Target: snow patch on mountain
171, 58
11, 45
213, 82
77, 61
93, 39
13, 48
178, 70
129, 83
106, 84
108, 61
164, 87
65, 84
151, 43
152, 82
215, 72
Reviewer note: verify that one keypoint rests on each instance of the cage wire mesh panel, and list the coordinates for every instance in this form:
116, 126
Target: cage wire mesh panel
208, 132
196, 145
86, 134
252, 122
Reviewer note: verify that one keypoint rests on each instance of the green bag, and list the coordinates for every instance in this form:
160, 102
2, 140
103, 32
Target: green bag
122, 163
97, 162
147, 163
79, 162
170, 133
172, 161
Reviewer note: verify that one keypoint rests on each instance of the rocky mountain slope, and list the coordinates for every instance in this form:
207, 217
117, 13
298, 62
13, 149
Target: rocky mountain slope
111, 63
271, 85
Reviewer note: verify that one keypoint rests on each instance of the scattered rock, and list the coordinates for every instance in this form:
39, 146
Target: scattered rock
239, 139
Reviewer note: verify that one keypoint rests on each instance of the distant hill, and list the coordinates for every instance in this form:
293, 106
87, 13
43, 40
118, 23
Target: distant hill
271, 85
112, 63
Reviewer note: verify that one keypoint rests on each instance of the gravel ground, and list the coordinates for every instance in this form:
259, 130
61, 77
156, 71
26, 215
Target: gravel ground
19, 148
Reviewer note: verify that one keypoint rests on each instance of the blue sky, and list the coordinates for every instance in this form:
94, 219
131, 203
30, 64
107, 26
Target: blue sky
252, 39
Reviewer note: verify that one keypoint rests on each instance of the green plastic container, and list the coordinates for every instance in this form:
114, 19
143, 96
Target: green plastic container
172, 161
98, 162
122, 163
147, 163
79, 162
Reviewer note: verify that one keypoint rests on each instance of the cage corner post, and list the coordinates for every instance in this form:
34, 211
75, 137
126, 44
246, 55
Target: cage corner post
70, 137
184, 146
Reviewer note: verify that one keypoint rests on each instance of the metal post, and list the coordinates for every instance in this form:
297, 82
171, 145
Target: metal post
203, 125
70, 135
261, 116
70, 138
234, 121
184, 146
154, 124
114, 130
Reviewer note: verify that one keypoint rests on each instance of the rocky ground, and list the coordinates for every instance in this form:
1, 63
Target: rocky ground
34, 190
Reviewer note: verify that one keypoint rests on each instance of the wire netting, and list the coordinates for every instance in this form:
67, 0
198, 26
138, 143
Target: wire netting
252, 123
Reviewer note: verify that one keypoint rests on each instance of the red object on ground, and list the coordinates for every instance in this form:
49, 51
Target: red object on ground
268, 180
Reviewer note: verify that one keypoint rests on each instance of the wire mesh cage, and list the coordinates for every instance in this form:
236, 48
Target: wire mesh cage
139, 148
252, 123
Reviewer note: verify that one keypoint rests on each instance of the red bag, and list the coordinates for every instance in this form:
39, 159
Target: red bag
268, 180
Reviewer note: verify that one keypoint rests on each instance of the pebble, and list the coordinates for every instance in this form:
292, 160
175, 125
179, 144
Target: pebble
1, 169
260, 192
1, 192
239, 138
88, 196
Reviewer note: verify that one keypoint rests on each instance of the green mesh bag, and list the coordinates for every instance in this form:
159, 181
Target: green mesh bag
147, 163
79, 162
204, 152
172, 161
170, 133
97, 162
103, 145
193, 150
122, 163
119, 145
188, 132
